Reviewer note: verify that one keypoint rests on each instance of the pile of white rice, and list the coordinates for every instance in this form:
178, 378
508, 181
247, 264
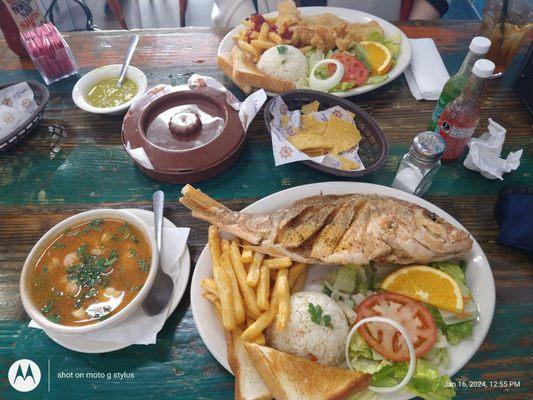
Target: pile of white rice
304, 337
284, 62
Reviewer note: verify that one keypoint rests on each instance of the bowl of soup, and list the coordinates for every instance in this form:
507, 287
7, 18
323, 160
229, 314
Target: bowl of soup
96, 92
89, 271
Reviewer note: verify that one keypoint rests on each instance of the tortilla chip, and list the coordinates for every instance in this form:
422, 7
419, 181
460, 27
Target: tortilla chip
346, 164
316, 152
342, 133
311, 107
311, 125
304, 141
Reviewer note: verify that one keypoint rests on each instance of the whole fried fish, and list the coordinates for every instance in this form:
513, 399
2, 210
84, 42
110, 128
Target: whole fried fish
339, 229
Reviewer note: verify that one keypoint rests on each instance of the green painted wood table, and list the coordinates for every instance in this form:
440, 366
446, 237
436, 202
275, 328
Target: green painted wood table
92, 170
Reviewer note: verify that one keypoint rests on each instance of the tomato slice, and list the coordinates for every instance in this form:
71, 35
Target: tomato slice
387, 340
354, 70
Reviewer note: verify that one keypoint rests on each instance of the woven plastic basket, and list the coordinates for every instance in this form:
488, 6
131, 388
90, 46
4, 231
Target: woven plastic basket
41, 96
373, 147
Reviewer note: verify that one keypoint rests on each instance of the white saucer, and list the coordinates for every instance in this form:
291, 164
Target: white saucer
84, 345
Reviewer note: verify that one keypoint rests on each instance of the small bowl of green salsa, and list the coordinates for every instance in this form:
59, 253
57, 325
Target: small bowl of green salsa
96, 91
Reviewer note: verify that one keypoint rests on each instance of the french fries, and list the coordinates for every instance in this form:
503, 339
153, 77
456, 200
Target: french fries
246, 256
247, 292
226, 298
210, 286
237, 299
255, 42
250, 290
263, 32
263, 288
262, 44
284, 295
278, 263
248, 48
222, 281
253, 269
265, 319
275, 37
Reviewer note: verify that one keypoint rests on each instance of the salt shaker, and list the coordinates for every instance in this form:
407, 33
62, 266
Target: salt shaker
419, 166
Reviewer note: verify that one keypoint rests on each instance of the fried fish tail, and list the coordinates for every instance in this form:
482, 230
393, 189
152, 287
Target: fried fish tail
207, 209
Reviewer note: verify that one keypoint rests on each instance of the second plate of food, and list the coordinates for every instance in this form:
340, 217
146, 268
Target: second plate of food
355, 27
478, 280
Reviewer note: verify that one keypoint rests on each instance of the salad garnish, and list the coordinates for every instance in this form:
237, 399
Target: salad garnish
356, 287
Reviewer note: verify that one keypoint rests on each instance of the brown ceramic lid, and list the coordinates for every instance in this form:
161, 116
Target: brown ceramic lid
189, 134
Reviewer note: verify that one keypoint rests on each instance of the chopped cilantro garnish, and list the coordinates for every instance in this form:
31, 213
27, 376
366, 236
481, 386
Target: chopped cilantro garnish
94, 225
316, 315
89, 271
58, 245
281, 49
127, 232
56, 318
91, 293
47, 307
144, 265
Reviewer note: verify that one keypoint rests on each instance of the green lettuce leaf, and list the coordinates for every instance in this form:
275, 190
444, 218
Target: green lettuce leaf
351, 279
362, 357
457, 332
346, 278
454, 333
313, 57
426, 382
343, 86
392, 42
376, 79
360, 53
439, 358
375, 36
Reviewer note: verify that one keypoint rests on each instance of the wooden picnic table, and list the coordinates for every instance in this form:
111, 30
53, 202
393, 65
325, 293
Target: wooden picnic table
92, 170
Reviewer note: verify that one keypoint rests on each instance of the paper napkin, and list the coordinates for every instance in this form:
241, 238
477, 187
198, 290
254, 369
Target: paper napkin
16, 105
426, 75
138, 328
484, 154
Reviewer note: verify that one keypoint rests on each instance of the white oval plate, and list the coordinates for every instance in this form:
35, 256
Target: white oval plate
351, 16
478, 274
84, 345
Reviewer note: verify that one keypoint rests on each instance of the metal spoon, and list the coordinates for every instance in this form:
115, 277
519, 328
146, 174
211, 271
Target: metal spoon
163, 286
131, 49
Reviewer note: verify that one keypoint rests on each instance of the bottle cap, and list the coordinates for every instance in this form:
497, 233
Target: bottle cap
428, 146
483, 68
480, 45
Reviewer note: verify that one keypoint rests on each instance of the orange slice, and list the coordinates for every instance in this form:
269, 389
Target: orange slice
426, 284
379, 57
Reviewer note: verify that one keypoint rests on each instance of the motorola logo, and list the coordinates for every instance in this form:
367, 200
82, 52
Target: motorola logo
24, 375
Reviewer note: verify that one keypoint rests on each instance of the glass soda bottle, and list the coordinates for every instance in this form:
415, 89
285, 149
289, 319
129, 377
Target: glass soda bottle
479, 46
459, 119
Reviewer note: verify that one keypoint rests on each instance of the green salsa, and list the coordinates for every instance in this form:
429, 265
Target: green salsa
106, 94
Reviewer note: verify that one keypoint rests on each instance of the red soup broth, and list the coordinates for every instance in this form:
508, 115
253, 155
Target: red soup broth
90, 272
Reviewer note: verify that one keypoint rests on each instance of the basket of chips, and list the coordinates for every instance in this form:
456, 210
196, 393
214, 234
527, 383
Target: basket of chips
325, 132
21, 109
